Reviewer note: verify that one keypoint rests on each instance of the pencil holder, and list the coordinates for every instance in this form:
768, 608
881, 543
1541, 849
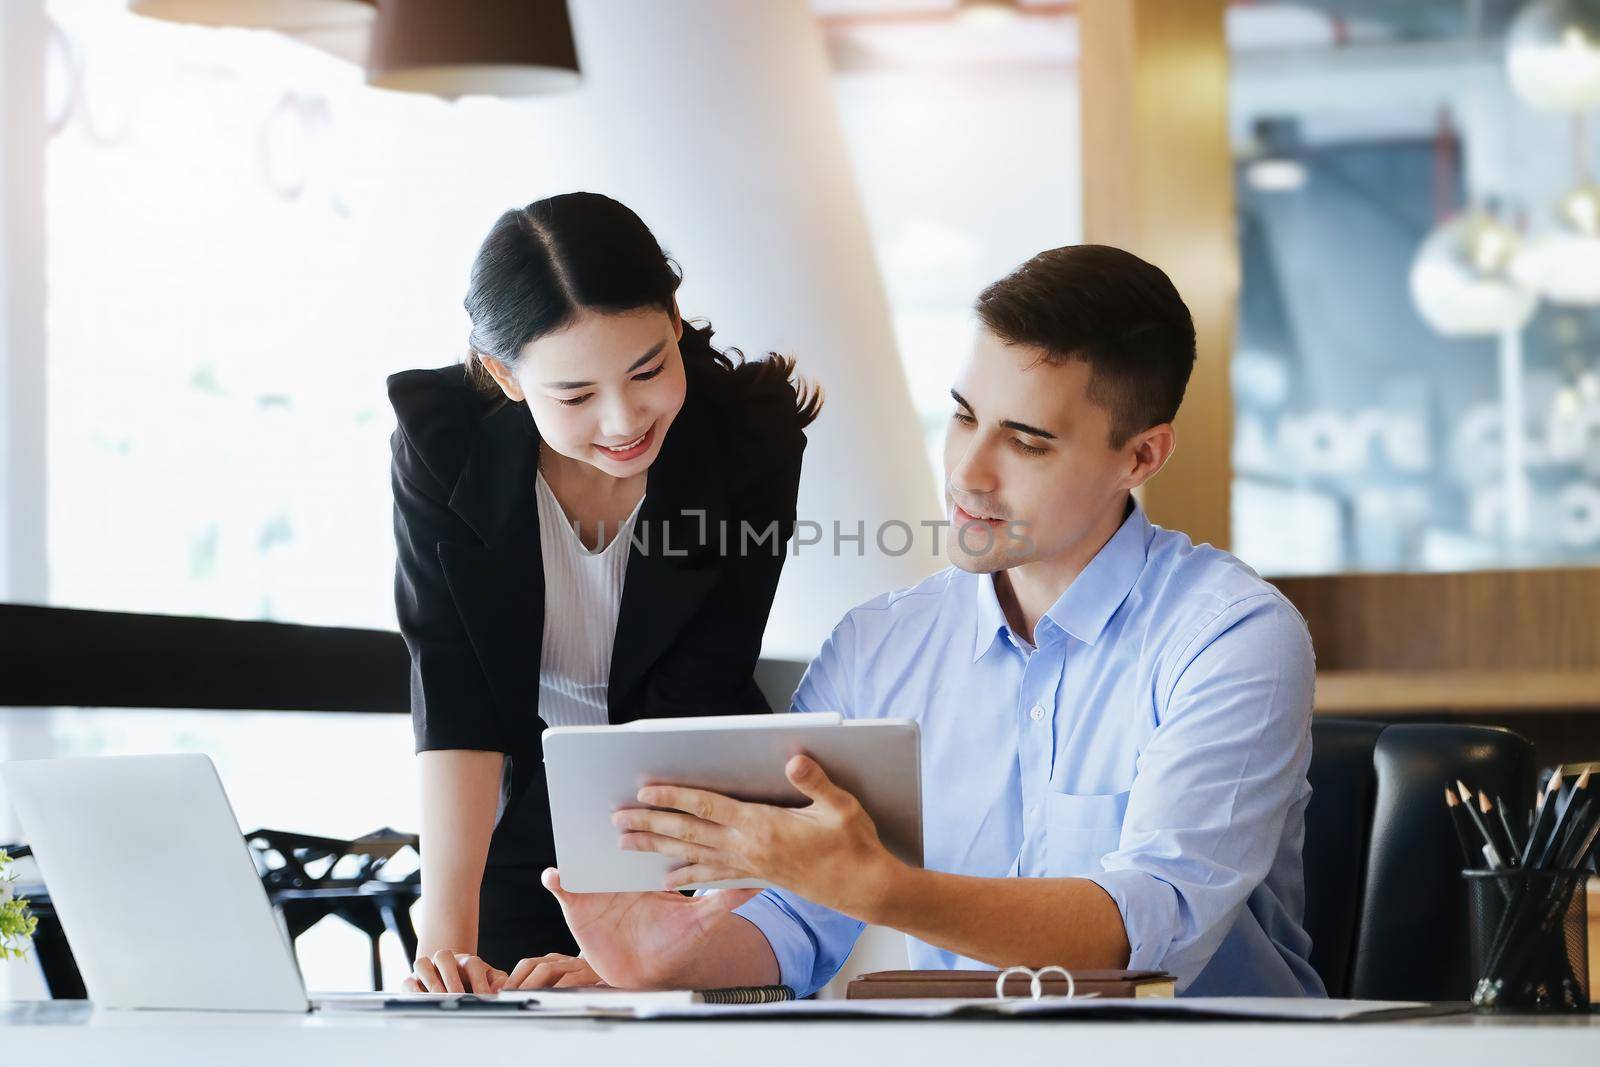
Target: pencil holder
1528, 932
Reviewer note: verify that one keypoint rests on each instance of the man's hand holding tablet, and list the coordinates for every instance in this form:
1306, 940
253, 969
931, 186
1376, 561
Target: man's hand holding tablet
719, 803
828, 851
730, 773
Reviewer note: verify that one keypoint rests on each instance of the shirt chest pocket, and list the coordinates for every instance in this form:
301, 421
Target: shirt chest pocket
1080, 829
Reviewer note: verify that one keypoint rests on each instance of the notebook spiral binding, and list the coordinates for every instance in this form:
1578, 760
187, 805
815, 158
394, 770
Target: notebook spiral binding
758, 994
1035, 982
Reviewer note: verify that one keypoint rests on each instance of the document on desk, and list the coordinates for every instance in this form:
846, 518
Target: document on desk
673, 1005
585, 1001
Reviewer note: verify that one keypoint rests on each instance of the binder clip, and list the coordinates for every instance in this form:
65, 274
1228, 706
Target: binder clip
1035, 982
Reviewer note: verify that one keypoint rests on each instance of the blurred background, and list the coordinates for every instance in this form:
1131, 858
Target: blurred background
220, 240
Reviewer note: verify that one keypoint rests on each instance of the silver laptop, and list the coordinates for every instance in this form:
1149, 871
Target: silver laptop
154, 884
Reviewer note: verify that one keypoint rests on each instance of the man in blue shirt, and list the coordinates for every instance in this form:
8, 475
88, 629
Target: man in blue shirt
1115, 721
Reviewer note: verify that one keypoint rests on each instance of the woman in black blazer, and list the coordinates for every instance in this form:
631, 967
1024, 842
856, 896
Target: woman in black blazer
662, 474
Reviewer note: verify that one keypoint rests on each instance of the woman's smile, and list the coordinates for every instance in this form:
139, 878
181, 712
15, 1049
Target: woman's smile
631, 449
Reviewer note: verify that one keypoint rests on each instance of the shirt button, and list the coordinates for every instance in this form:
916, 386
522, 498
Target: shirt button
1037, 713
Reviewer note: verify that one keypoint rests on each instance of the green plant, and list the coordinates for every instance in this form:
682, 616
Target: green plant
16, 925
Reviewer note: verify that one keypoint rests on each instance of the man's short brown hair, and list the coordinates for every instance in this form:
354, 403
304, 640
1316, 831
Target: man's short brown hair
1111, 310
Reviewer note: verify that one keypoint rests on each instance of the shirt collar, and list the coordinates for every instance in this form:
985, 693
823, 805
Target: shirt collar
1087, 605
991, 620
1100, 588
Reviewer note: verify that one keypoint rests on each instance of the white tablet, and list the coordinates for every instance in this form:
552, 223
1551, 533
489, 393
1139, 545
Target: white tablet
596, 770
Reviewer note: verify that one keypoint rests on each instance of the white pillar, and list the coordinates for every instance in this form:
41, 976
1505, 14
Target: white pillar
23, 37
723, 113
1512, 433
22, 438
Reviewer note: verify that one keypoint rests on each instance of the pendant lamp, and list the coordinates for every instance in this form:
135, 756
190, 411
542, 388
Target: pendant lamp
1553, 54
1563, 263
473, 47
1461, 280
288, 16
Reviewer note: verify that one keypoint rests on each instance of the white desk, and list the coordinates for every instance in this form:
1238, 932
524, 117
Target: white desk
53, 1034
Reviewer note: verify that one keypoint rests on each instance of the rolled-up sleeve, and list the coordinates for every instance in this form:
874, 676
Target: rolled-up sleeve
811, 942
1214, 785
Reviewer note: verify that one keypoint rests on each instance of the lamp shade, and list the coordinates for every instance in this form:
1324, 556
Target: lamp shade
1563, 264
1461, 280
1275, 164
286, 15
473, 47
1553, 54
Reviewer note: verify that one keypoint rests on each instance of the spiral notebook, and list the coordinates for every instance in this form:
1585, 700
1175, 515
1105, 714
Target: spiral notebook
969, 984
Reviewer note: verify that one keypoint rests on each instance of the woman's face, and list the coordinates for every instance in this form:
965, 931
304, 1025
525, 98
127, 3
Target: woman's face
605, 389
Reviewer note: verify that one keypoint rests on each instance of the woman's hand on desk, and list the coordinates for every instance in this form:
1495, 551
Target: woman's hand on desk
453, 972
552, 971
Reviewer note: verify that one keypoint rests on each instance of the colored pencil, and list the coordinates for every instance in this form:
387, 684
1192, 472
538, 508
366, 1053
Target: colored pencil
1543, 817
1499, 834
1511, 834
1563, 823
1458, 818
1583, 842
1495, 861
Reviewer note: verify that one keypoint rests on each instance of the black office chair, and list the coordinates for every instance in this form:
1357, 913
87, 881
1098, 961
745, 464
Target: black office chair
309, 878
1386, 906
778, 679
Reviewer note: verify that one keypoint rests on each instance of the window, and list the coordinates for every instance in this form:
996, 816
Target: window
232, 268
1365, 438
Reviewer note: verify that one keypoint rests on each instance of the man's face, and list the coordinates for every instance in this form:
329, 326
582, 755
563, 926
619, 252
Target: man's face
1029, 468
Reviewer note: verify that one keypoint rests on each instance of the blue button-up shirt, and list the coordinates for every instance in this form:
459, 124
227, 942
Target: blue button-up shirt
1155, 741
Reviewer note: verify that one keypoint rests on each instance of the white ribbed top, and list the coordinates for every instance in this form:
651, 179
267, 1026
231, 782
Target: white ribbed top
582, 595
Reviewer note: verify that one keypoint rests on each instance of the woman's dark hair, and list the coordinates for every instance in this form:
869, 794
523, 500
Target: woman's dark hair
542, 264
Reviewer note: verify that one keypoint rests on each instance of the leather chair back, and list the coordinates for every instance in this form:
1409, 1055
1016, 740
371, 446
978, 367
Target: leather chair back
1386, 906
778, 679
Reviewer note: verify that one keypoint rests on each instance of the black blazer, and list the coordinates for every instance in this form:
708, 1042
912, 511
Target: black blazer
469, 590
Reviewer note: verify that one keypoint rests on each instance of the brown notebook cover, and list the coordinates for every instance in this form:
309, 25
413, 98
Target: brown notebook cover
935, 984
